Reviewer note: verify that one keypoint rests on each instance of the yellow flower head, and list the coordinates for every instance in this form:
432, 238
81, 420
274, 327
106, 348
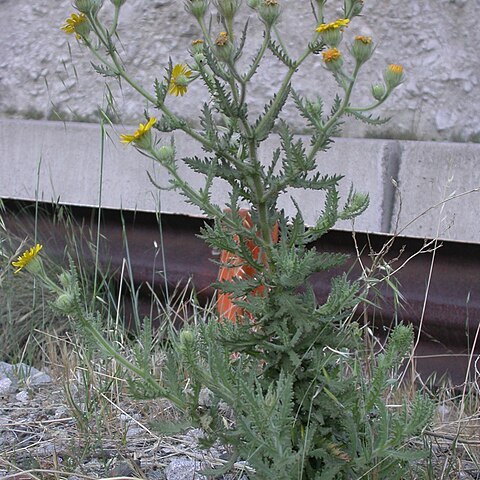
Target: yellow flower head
199, 41
26, 258
140, 133
395, 69
270, 3
331, 55
179, 80
363, 39
73, 23
341, 23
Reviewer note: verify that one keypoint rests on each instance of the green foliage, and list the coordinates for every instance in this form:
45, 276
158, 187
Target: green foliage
286, 387
294, 408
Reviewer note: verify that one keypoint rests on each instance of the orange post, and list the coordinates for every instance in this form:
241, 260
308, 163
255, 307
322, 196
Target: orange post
234, 267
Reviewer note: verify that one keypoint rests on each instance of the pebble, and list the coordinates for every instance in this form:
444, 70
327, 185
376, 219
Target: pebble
6, 386
22, 396
183, 468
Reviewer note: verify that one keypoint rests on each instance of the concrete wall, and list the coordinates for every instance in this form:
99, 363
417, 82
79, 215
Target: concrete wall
44, 74
437, 192
436, 40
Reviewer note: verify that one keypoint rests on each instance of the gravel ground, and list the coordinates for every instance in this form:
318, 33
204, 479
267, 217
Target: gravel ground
46, 433
40, 435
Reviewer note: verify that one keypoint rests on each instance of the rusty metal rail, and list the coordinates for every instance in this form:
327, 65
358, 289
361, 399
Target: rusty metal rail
449, 317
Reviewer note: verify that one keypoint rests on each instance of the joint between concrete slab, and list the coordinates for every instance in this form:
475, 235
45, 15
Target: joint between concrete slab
392, 157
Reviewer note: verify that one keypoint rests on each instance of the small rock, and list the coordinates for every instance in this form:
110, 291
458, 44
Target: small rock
155, 475
182, 468
443, 412
205, 397
61, 412
22, 396
23, 372
124, 469
134, 431
6, 386
46, 450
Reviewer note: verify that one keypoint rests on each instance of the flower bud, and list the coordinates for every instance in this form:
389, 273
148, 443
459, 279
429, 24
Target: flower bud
357, 8
223, 47
199, 60
197, 8
362, 48
118, 3
333, 59
269, 11
165, 154
378, 91
253, 3
227, 8
66, 279
353, 7
65, 302
88, 6
393, 76
197, 47
186, 338
197, 52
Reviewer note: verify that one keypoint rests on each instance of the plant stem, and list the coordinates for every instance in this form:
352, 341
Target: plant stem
258, 58
113, 28
284, 85
333, 119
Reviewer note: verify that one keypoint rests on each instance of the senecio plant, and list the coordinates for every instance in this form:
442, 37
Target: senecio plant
284, 386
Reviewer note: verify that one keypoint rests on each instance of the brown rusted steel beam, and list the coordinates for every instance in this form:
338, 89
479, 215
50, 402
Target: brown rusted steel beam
449, 318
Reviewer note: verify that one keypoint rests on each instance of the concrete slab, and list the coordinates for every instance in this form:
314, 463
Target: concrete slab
439, 191
62, 163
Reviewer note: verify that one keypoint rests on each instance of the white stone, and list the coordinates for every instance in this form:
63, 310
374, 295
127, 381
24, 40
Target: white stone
6, 386
22, 396
182, 468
